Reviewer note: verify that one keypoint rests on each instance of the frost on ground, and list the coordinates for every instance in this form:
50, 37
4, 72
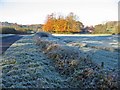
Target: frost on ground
100, 48
51, 62
79, 67
23, 66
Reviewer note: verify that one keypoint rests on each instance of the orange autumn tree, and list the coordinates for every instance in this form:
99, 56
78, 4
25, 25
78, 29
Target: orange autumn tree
49, 25
60, 25
68, 24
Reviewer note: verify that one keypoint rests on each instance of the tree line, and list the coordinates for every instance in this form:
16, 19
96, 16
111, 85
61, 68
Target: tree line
110, 27
70, 24
14, 28
61, 24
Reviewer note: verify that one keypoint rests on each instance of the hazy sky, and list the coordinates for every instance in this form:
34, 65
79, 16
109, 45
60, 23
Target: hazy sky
90, 12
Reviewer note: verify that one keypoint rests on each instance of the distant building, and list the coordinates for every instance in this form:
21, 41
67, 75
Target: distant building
87, 29
90, 29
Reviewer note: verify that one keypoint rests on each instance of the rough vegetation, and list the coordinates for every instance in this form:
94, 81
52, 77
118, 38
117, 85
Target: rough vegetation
78, 68
51, 64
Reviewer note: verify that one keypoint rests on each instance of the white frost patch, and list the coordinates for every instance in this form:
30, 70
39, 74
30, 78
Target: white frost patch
20, 44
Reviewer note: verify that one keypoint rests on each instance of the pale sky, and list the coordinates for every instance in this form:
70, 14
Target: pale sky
90, 12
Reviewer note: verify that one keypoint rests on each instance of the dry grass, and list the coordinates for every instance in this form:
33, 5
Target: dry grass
43, 44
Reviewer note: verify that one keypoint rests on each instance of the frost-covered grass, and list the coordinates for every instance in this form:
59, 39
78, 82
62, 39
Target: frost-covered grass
100, 48
86, 73
27, 65
24, 66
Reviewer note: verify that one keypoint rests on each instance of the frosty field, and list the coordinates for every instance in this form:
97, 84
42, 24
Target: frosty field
30, 64
102, 48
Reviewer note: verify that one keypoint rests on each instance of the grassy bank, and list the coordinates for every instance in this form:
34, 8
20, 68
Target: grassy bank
27, 65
